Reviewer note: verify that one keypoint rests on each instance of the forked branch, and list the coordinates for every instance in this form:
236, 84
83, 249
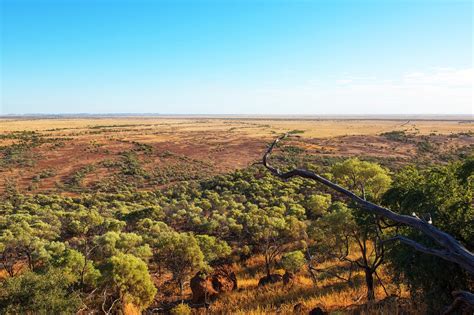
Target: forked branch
452, 250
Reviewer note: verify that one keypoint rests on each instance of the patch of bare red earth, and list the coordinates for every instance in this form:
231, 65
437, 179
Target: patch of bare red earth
222, 156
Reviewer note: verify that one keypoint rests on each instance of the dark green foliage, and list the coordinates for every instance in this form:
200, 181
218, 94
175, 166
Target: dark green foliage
425, 146
466, 170
142, 147
131, 165
47, 293
75, 181
396, 135
109, 241
445, 194
19, 153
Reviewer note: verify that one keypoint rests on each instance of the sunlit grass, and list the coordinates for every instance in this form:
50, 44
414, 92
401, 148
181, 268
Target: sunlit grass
330, 293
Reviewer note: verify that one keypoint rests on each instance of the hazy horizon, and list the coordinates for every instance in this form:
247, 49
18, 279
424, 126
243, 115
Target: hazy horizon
236, 57
414, 117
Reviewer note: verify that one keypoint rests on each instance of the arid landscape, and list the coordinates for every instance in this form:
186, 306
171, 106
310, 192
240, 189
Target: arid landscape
236, 157
139, 186
46, 155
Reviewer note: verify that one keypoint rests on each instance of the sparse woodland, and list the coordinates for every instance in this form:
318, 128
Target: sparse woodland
250, 241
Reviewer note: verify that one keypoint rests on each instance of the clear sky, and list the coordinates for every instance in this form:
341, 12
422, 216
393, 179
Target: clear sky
236, 57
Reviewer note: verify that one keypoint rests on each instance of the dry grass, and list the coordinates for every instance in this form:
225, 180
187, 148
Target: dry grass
330, 293
320, 128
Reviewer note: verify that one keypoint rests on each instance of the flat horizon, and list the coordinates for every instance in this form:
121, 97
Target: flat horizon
467, 117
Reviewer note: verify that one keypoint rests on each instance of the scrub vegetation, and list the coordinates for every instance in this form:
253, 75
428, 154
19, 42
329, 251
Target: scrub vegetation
179, 217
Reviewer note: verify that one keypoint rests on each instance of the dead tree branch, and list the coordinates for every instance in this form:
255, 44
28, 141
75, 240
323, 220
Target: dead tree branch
452, 250
463, 301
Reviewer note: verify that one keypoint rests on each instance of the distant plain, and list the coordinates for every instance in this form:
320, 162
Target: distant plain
60, 148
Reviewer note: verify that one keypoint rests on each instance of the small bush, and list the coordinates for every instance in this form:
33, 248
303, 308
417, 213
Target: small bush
396, 135
293, 261
181, 309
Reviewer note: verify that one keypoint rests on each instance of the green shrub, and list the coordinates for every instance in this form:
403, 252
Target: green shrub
181, 309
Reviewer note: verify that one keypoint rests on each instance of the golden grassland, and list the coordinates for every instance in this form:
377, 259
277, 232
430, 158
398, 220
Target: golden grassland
255, 127
329, 293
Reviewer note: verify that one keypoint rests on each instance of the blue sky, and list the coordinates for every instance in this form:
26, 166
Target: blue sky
236, 57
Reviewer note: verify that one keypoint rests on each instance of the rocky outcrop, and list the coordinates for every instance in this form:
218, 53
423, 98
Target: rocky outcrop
201, 286
207, 286
318, 311
224, 279
299, 308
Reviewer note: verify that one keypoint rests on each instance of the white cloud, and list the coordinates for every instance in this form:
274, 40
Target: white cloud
439, 91
443, 77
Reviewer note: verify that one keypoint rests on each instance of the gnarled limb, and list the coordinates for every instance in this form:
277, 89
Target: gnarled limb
452, 250
462, 299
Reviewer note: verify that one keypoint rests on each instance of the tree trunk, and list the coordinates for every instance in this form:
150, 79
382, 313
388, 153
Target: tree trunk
83, 271
181, 290
267, 266
10, 269
369, 281
30, 261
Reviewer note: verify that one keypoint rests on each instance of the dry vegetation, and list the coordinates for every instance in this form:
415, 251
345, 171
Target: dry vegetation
329, 293
74, 155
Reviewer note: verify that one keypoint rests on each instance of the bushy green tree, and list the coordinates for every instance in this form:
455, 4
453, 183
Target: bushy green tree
22, 240
270, 231
71, 262
112, 243
343, 225
442, 195
332, 233
129, 279
181, 255
213, 248
31, 293
369, 179
317, 205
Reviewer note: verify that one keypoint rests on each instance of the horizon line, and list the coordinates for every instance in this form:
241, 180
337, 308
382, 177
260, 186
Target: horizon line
464, 116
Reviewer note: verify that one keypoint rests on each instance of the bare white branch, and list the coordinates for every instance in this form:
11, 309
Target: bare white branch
453, 251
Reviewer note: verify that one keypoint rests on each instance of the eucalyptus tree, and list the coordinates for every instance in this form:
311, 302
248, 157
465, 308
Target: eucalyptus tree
180, 254
128, 280
270, 231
